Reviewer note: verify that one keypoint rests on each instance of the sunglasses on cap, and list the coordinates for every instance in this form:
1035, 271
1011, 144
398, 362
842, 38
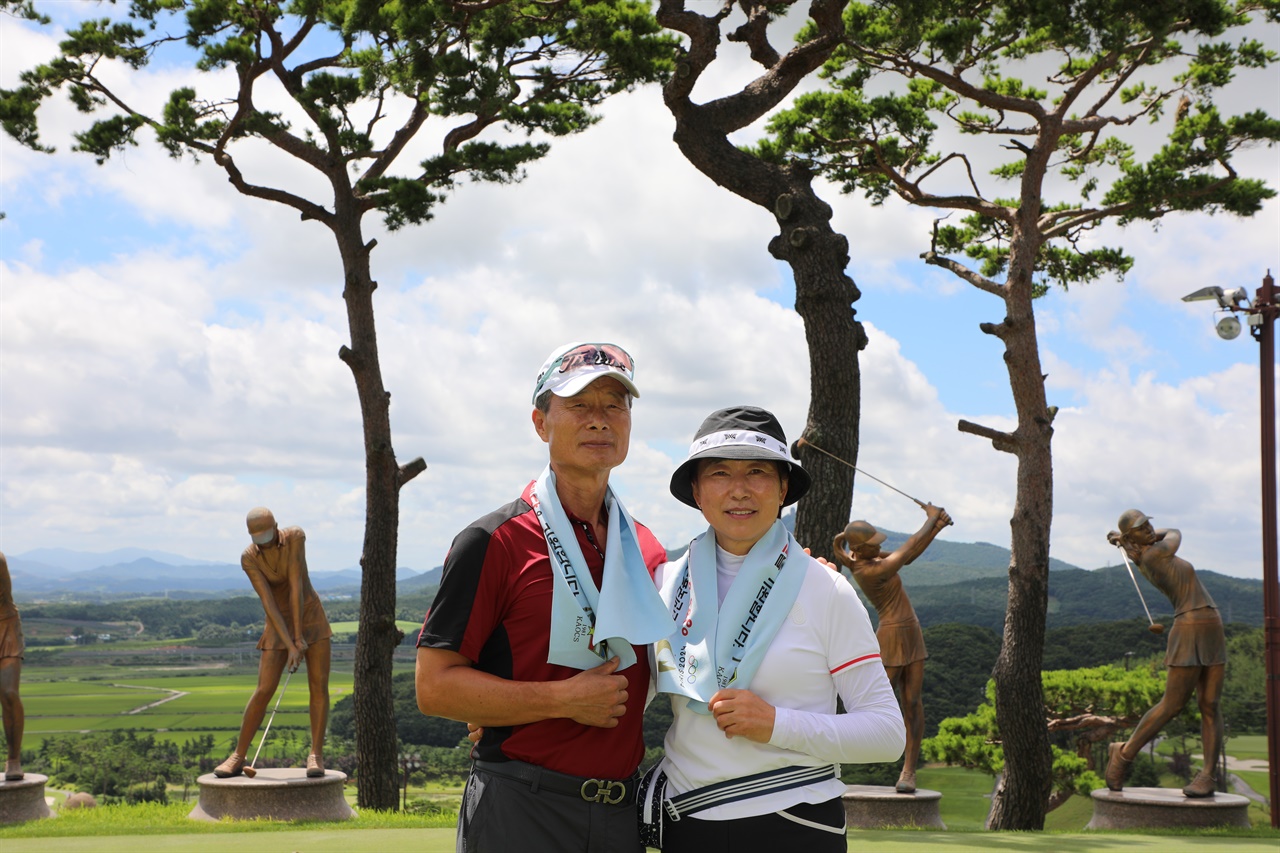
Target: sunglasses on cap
590, 355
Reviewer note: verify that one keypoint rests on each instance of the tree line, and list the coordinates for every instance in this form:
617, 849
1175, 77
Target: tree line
956, 685
211, 621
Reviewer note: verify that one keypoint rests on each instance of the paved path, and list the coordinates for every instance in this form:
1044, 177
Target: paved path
1242, 788
173, 694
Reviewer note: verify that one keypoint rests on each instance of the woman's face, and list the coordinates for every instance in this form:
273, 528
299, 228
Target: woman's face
740, 498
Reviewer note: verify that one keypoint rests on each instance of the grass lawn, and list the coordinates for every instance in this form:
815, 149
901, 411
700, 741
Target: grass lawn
966, 795
351, 627
441, 840
1072, 816
1255, 779
127, 829
1247, 746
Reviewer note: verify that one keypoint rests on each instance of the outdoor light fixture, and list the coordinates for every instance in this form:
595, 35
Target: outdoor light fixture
1228, 328
1228, 300
1232, 300
1260, 316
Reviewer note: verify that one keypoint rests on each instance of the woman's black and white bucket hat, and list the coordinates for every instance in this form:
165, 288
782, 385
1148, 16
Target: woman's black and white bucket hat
739, 432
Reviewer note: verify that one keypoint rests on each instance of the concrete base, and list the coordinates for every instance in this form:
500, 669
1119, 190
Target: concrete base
1154, 808
281, 794
877, 807
23, 799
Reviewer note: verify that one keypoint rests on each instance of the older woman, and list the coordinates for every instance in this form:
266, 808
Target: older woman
767, 639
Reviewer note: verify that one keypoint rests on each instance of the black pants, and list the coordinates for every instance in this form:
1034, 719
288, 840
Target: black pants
501, 815
777, 832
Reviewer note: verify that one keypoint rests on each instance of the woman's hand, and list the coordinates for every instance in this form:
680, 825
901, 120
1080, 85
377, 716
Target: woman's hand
741, 713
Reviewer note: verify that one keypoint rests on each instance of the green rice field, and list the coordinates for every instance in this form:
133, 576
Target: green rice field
178, 703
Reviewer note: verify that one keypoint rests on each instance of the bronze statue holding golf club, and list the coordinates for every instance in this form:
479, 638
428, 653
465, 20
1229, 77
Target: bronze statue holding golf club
902, 649
898, 630
296, 629
11, 649
1196, 655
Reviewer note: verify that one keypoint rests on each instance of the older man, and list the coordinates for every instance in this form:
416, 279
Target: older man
538, 631
1196, 654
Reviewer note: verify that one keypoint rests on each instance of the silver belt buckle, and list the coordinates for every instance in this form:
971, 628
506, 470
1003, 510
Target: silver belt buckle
604, 791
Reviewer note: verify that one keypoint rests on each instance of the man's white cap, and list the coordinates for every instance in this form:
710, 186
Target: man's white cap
572, 367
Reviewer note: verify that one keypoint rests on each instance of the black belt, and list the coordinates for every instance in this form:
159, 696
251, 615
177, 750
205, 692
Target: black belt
612, 792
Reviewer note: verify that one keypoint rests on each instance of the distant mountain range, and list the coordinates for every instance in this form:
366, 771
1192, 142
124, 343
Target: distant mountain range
63, 574
947, 562
1077, 597
968, 582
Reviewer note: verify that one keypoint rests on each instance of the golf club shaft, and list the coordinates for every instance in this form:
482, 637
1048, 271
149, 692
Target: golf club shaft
279, 698
1134, 578
804, 442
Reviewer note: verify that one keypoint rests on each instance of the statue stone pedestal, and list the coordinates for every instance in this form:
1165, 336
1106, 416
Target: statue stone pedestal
878, 807
23, 800
1152, 808
281, 794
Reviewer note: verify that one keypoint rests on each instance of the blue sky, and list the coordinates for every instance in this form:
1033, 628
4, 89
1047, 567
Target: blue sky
168, 349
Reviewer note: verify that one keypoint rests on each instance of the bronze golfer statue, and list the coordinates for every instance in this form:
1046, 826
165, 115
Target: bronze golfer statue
1196, 654
11, 649
901, 640
296, 629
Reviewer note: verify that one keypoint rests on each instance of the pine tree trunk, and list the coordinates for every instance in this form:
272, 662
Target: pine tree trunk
1021, 801
378, 637
824, 296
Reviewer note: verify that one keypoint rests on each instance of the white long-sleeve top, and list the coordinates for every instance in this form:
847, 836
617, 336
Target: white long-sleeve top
824, 648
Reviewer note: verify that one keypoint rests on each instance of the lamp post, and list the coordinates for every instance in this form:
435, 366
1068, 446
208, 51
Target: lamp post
409, 762
1261, 320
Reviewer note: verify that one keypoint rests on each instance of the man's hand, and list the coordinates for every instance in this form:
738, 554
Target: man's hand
823, 561
597, 696
474, 732
741, 713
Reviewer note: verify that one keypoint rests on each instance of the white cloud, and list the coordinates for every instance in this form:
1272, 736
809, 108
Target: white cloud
1173, 451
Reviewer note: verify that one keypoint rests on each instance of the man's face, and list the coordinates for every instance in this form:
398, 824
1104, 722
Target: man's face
589, 433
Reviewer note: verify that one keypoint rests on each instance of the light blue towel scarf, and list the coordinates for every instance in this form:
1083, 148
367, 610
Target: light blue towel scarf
588, 626
722, 646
